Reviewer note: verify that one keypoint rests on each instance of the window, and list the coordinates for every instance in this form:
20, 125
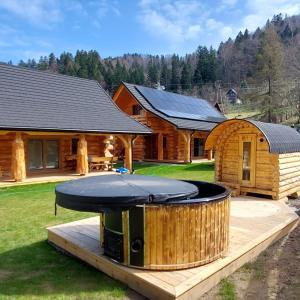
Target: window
43, 154
74, 145
136, 110
198, 147
246, 160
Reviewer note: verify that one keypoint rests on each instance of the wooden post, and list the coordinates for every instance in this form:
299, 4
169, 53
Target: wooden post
18, 168
187, 146
160, 146
210, 154
82, 156
127, 141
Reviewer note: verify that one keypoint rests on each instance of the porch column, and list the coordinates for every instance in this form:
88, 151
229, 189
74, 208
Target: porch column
127, 141
82, 156
187, 146
160, 146
210, 154
18, 169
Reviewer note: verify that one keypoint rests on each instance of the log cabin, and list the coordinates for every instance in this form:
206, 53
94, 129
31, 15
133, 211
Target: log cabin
253, 157
50, 123
180, 123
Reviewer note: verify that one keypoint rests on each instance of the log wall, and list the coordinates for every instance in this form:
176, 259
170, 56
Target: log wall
95, 147
6, 153
289, 175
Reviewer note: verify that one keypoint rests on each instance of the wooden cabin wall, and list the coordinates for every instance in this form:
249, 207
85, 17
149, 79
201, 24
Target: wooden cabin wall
289, 175
5, 153
95, 147
159, 125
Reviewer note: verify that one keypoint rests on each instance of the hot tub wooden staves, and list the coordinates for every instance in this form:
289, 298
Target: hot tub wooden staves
173, 236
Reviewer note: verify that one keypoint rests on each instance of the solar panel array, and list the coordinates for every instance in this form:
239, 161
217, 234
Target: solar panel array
180, 106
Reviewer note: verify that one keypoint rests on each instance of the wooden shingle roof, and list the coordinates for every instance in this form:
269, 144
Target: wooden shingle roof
40, 100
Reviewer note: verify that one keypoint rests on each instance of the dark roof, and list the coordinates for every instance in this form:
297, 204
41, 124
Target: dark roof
281, 138
40, 100
203, 123
231, 91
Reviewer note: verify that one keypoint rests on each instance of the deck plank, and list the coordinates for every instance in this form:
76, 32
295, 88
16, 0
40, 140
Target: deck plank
249, 236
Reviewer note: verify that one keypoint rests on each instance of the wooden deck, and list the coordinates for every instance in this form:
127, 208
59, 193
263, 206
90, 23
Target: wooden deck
254, 224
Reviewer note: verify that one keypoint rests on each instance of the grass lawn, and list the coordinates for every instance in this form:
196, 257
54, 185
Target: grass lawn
30, 268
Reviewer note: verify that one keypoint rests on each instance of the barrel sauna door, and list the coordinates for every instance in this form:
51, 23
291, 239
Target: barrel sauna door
247, 159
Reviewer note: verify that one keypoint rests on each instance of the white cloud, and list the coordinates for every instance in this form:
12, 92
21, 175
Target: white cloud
177, 22
105, 7
219, 28
261, 10
38, 12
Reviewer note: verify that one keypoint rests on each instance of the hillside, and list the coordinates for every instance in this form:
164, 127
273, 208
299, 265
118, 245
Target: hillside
265, 77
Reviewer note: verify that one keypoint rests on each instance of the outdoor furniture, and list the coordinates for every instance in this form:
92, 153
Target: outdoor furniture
100, 163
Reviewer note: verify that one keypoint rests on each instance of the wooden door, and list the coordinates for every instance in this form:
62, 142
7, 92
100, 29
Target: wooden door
151, 146
247, 159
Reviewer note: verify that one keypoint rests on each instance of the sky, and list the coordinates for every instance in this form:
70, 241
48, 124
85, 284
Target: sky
34, 28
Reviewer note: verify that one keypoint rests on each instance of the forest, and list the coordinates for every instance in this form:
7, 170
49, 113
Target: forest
262, 66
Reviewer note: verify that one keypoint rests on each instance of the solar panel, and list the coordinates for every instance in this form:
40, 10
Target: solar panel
180, 106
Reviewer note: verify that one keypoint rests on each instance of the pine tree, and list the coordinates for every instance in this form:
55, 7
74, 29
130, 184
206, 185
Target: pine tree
165, 74
186, 76
53, 66
81, 62
152, 72
269, 62
66, 64
43, 63
175, 76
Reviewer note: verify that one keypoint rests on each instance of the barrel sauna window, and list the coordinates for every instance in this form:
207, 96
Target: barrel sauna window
246, 160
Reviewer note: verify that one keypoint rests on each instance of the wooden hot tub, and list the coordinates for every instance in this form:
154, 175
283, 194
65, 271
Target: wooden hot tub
162, 224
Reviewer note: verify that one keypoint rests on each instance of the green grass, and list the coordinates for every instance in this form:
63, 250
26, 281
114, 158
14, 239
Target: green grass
227, 290
30, 268
199, 171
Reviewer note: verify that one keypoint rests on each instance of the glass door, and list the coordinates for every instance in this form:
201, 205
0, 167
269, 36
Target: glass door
51, 155
198, 147
43, 154
35, 153
247, 159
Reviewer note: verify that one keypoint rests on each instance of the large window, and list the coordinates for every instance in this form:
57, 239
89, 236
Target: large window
43, 154
198, 147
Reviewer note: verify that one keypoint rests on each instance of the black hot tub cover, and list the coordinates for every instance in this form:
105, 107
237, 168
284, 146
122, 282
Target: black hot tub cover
102, 192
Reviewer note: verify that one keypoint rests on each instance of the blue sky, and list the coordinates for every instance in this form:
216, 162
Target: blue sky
31, 28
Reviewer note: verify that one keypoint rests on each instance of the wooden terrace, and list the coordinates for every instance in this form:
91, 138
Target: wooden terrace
255, 224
